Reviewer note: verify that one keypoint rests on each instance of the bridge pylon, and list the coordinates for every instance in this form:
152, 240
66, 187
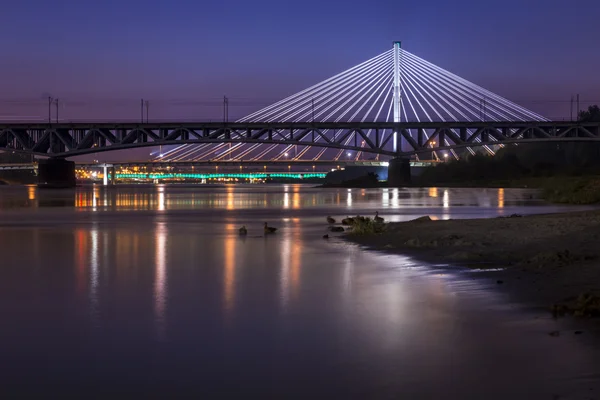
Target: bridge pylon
397, 94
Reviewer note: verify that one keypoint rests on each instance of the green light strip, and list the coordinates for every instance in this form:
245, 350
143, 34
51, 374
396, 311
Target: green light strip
216, 176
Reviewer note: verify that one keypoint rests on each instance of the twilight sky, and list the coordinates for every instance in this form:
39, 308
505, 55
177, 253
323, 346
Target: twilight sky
186, 54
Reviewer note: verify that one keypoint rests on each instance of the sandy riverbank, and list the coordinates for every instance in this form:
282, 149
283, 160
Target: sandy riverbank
548, 259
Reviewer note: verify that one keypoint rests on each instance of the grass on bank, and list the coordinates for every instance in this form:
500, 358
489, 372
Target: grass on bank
566, 173
572, 190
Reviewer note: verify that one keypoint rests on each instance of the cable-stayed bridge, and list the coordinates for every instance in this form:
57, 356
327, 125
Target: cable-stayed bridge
395, 104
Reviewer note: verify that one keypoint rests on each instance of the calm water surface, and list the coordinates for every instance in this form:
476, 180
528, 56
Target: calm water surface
150, 291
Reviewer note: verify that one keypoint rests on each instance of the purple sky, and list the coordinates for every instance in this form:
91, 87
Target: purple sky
106, 55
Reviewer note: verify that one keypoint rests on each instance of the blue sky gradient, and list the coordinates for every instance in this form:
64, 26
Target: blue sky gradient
537, 53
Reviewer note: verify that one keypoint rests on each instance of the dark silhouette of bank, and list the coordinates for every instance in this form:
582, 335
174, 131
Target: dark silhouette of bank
568, 172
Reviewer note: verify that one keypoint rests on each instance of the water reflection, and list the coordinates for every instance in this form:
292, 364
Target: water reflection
160, 280
395, 201
31, 192
385, 198
94, 274
230, 198
284, 274
161, 198
81, 249
95, 197
307, 305
286, 200
296, 197
291, 260
229, 270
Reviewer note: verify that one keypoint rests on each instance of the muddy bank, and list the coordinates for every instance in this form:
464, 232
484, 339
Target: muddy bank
547, 259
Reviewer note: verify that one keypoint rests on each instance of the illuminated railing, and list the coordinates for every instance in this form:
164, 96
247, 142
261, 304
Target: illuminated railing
289, 175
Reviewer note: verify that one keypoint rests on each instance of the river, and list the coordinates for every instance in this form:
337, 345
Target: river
150, 291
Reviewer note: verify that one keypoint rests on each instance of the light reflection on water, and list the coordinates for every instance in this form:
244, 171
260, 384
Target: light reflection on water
160, 280
173, 296
297, 197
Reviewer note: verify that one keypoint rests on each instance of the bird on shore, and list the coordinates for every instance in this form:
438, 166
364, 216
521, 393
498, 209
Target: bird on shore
243, 230
377, 217
269, 229
326, 236
330, 220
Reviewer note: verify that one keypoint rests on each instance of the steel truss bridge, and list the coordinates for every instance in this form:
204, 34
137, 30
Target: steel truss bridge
67, 140
392, 105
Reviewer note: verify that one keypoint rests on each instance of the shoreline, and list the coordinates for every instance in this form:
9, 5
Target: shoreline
546, 262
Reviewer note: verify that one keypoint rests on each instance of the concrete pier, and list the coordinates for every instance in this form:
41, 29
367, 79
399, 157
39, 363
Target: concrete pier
399, 172
56, 173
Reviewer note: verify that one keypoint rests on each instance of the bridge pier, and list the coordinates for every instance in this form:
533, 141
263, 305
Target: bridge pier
106, 170
56, 173
399, 172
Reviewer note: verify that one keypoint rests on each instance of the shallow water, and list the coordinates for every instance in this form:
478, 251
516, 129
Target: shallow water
150, 290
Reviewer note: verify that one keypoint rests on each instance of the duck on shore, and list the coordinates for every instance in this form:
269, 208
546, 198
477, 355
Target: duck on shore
377, 217
243, 230
348, 221
330, 220
269, 229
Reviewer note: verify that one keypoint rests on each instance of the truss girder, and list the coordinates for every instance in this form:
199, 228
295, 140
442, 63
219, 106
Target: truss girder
370, 137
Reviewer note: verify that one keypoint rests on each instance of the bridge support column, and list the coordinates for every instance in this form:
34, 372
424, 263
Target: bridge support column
113, 175
56, 173
399, 172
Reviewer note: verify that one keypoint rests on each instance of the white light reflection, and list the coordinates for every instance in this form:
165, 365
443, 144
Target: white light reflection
347, 274
395, 201
446, 204
160, 280
291, 261
284, 274
94, 275
385, 198
286, 200
349, 198
95, 197
161, 197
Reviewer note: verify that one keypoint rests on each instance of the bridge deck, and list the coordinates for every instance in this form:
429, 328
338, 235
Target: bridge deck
71, 139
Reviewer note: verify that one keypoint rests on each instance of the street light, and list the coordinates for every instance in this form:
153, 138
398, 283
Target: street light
286, 154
